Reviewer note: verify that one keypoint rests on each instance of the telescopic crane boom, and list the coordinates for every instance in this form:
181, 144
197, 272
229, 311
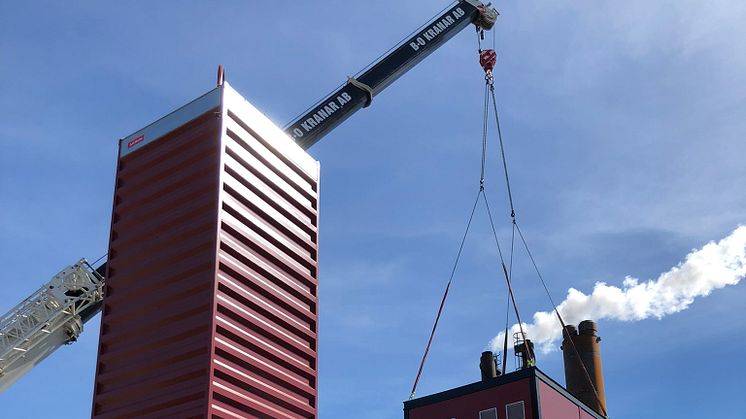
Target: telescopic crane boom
54, 315
358, 92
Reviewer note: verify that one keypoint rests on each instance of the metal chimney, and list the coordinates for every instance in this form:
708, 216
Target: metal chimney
524, 351
488, 366
587, 344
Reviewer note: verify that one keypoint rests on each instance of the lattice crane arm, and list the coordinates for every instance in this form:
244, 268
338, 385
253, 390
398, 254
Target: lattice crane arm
49, 318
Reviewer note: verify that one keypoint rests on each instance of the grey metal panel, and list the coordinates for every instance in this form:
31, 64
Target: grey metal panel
170, 122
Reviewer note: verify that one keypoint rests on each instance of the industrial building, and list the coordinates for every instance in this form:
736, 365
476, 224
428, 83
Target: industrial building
524, 394
213, 266
527, 393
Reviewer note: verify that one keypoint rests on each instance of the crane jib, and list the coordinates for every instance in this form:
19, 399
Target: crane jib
334, 109
436, 29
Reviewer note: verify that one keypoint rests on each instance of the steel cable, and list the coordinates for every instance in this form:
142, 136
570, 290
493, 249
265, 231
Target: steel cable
565, 333
502, 152
445, 296
507, 279
99, 259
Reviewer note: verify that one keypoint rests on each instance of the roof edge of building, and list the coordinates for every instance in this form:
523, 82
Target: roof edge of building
470, 388
494, 382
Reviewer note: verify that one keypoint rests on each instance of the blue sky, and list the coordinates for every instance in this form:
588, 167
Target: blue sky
624, 126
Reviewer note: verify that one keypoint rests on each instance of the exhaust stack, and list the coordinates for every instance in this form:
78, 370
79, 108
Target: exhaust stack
588, 348
524, 351
488, 366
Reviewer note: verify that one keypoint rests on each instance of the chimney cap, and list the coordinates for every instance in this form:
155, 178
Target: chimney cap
571, 330
587, 327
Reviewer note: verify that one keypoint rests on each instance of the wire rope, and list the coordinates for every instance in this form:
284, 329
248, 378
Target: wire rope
445, 296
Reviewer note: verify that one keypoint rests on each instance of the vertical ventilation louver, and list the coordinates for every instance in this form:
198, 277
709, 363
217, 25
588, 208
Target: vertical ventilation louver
264, 362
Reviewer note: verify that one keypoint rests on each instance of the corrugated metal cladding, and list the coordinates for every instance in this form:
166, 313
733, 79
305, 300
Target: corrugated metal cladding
264, 342
211, 305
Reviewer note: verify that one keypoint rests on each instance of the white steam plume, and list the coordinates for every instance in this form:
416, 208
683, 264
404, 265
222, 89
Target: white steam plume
713, 266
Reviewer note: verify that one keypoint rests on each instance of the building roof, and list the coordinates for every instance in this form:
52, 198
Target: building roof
533, 374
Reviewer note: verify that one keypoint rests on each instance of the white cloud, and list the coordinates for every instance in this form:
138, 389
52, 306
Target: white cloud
714, 266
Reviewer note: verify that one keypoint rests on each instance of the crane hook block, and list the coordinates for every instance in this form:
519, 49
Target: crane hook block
487, 59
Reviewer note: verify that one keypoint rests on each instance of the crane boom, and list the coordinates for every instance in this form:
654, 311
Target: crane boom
47, 319
54, 315
358, 92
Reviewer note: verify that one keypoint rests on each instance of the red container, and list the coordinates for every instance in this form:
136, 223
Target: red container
211, 302
523, 394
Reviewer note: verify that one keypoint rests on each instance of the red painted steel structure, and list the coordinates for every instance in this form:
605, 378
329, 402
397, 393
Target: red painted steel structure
211, 305
554, 405
527, 391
